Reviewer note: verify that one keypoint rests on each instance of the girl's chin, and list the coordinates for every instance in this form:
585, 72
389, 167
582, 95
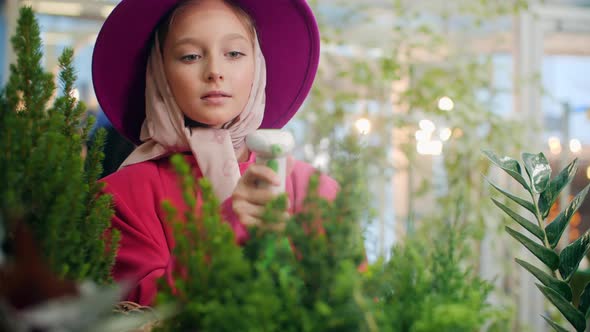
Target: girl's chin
205, 123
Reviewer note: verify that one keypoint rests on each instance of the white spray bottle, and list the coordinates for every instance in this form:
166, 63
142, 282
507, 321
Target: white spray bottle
272, 146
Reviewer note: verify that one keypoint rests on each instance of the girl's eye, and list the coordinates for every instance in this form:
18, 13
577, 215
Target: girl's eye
235, 54
190, 57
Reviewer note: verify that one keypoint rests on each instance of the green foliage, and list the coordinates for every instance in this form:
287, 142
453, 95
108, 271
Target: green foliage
557, 226
302, 279
47, 182
213, 282
529, 226
560, 286
427, 289
510, 166
544, 192
545, 255
554, 325
585, 300
549, 196
306, 278
538, 170
522, 202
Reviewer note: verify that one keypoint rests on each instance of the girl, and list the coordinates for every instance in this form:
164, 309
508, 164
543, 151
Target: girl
196, 77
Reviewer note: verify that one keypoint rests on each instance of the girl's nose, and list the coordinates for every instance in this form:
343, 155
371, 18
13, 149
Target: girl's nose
214, 76
212, 71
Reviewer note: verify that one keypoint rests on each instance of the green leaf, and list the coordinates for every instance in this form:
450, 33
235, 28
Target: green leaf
538, 169
270, 253
549, 196
524, 203
510, 166
546, 255
571, 256
559, 286
554, 325
585, 301
529, 226
555, 229
573, 315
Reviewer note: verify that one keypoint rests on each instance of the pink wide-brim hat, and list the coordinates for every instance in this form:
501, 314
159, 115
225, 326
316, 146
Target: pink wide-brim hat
289, 39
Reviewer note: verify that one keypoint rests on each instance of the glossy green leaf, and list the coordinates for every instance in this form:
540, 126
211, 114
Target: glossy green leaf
554, 325
573, 315
547, 256
571, 256
529, 226
550, 195
524, 203
509, 165
538, 169
559, 286
555, 229
585, 301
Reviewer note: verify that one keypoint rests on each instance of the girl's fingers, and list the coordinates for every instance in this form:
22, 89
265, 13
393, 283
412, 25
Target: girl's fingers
254, 196
244, 208
260, 173
250, 221
277, 226
260, 196
250, 197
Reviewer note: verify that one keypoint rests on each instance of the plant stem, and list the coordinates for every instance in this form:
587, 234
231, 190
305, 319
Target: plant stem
556, 273
369, 319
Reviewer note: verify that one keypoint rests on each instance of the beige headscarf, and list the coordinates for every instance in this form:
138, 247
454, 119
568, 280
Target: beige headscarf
164, 132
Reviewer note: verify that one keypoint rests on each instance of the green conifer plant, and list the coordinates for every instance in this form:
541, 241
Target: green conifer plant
47, 183
302, 279
425, 286
542, 241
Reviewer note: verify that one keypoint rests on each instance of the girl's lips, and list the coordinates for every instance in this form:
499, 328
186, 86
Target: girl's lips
215, 93
215, 99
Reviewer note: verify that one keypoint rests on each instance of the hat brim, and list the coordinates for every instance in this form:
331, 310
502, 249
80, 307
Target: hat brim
289, 39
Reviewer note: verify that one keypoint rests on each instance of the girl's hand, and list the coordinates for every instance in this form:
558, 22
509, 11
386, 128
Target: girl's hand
253, 192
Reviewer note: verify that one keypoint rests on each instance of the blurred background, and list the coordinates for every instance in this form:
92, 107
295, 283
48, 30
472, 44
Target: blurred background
424, 86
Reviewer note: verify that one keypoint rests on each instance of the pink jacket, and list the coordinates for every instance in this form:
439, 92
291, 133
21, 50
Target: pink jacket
138, 190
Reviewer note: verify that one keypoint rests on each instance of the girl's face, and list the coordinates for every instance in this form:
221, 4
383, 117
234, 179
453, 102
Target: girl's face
209, 62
